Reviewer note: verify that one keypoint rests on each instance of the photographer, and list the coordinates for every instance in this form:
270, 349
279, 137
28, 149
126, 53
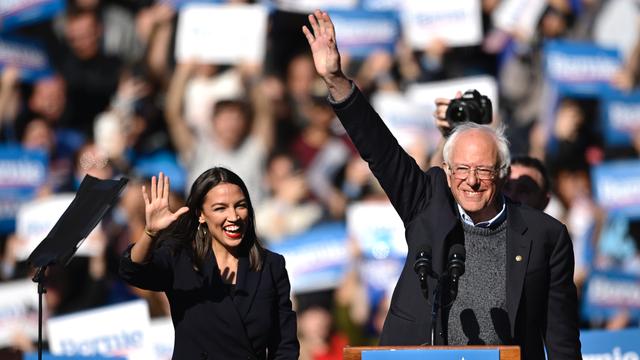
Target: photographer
518, 285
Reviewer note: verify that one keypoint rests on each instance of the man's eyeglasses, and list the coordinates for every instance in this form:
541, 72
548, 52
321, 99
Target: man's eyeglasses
461, 172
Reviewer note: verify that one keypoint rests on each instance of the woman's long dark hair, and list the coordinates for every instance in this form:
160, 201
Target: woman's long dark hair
188, 234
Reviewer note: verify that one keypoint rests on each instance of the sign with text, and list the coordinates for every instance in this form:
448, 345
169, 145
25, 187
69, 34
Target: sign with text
456, 22
161, 336
407, 120
620, 117
308, 6
35, 219
18, 311
117, 330
377, 229
608, 344
316, 259
221, 34
29, 57
607, 293
489, 354
359, 33
617, 187
22, 172
519, 16
580, 67
17, 13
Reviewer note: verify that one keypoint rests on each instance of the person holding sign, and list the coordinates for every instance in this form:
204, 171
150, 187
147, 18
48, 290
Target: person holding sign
518, 285
229, 297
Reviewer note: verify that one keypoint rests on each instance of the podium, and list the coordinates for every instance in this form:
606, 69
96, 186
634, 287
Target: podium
510, 352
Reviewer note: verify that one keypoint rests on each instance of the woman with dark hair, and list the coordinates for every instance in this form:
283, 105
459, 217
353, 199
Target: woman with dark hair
229, 296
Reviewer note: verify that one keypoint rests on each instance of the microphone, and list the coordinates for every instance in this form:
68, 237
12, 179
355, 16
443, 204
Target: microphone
455, 266
422, 265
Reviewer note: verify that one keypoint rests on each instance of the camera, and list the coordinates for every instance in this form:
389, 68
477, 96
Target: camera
472, 106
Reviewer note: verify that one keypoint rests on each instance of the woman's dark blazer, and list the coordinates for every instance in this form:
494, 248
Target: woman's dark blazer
540, 294
257, 322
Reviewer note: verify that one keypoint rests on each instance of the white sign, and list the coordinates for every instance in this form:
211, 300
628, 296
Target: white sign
456, 22
18, 310
518, 16
377, 228
161, 336
407, 120
425, 94
117, 330
221, 34
35, 220
308, 6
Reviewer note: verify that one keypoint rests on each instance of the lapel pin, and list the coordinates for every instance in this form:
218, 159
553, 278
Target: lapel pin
518, 258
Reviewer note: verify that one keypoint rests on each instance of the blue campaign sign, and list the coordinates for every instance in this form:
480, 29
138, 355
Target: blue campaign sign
620, 116
580, 67
617, 187
28, 56
48, 356
316, 259
22, 172
488, 354
360, 32
178, 4
607, 293
17, 13
614, 345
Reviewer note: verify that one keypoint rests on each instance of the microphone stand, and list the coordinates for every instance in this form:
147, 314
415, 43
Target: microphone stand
435, 305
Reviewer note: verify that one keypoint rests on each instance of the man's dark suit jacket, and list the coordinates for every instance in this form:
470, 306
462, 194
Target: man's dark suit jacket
541, 296
256, 323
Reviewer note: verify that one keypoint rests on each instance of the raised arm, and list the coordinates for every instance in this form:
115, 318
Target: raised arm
158, 217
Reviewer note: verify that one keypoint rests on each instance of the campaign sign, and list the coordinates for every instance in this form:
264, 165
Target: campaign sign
27, 56
161, 336
308, 6
178, 4
617, 187
316, 259
518, 15
48, 356
381, 4
221, 33
407, 120
118, 330
22, 172
620, 117
377, 229
608, 344
456, 22
18, 311
17, 13
359, 33
396, 354
35, 219
580, 67
606, 293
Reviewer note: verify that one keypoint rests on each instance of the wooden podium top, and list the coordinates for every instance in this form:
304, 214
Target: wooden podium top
506, 352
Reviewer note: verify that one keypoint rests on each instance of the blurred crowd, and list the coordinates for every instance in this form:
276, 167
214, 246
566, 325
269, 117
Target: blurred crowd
119, 104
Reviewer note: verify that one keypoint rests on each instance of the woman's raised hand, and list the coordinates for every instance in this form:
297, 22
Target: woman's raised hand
323, 44
158, 215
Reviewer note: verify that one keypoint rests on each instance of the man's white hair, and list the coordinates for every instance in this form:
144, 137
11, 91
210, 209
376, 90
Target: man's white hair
504, 155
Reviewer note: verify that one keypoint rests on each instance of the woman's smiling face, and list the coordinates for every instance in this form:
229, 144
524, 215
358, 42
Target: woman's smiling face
225, 213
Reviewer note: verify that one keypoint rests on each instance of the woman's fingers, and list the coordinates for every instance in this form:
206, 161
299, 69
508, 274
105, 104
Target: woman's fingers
308, 34
160, 189
165, 191
153, 188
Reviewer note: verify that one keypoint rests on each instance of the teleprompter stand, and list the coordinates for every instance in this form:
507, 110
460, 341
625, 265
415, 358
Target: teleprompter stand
92, 201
